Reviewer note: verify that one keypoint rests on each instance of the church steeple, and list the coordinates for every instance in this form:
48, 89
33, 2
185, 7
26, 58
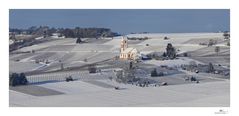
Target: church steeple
124, 43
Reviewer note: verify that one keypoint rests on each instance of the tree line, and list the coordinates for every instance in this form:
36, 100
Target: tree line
76, 32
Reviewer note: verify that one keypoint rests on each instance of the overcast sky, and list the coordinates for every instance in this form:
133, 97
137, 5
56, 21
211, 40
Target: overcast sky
126, 21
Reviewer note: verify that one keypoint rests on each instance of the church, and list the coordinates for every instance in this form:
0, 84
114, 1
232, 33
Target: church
125, 52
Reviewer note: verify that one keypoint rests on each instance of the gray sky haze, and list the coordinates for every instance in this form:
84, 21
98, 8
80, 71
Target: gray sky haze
125, 20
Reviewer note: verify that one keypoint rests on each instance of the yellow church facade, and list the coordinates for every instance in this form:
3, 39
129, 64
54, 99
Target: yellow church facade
127, 53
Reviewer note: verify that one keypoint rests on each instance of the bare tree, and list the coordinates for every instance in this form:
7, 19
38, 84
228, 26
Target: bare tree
192, 65
62, 66
217, 49
210, 68
126, 75
211, 42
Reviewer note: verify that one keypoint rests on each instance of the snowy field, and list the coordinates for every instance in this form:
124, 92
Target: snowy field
80, 93
97, 90
72, 54
173, 63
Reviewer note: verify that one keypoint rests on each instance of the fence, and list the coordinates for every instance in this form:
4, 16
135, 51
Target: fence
58, 77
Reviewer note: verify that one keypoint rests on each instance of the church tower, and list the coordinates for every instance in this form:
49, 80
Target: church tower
124, 44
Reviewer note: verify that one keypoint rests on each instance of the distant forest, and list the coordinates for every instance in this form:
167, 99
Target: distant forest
76, 32
45, 32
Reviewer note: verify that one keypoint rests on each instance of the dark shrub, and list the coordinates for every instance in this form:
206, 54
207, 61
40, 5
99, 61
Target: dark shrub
154, 73
92, 69
69, 79
17, 79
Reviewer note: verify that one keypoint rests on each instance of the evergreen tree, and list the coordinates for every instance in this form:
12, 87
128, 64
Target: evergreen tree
170, 51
